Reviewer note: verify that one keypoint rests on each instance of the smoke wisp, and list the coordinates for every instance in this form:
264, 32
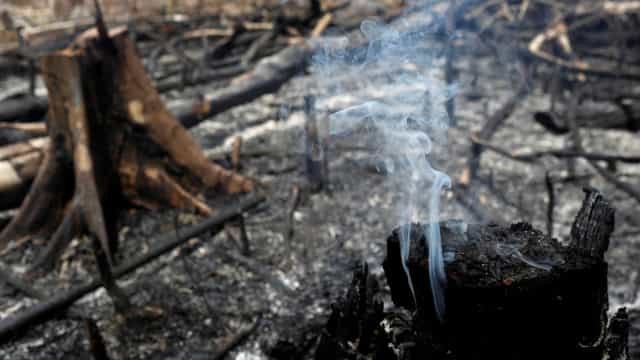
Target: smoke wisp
392, 91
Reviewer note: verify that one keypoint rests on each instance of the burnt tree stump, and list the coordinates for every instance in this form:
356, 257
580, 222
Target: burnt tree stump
512, 293
112, 143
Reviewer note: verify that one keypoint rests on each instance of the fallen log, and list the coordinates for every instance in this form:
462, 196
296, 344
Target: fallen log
13, 326
621, 118
267, 77
12, 65
512, 293
532, 156
488, 131
23, 108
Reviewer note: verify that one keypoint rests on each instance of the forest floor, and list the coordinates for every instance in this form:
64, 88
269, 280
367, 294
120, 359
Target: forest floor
194, 304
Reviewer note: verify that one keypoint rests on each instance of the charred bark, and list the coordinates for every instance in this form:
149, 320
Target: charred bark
513, 293
353, 324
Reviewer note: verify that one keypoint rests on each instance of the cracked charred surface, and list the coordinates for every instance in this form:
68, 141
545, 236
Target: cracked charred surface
537, 300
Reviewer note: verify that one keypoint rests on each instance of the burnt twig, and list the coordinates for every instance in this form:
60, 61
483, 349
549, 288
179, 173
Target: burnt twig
236, 152
96, 343
629, 189
551, 204
292, 205
237, 339
489, 129
242, 239
315, 148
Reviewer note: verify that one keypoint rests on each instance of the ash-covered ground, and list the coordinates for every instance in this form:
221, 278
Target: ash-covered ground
192, 305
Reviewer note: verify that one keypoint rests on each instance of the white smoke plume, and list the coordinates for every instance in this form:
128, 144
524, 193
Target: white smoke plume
394, 93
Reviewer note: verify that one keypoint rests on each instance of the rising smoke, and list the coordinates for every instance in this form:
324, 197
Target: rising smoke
392, 91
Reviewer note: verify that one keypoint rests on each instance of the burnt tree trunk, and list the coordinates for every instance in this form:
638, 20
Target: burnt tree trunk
513, 293
112, 141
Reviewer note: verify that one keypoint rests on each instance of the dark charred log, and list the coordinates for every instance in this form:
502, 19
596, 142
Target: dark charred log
23, 108
622, 117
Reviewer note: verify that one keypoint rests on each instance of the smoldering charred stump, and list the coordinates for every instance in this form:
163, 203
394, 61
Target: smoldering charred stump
513, 293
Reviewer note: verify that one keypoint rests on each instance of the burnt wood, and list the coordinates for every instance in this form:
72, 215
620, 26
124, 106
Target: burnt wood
513, 293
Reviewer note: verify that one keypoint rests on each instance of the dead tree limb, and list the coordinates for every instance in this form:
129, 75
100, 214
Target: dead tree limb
531, 156
488, 130
315, 148
25, 108
237, 339
629, 189
267, 77
97, 348
13, 325
548, 181
292, 205
622, 118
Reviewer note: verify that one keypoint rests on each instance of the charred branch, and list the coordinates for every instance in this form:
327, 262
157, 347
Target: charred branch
623, 118
267, 77
12, 326
488, 130
26, 108
532, 156
551, 202
97, 348
315, 158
